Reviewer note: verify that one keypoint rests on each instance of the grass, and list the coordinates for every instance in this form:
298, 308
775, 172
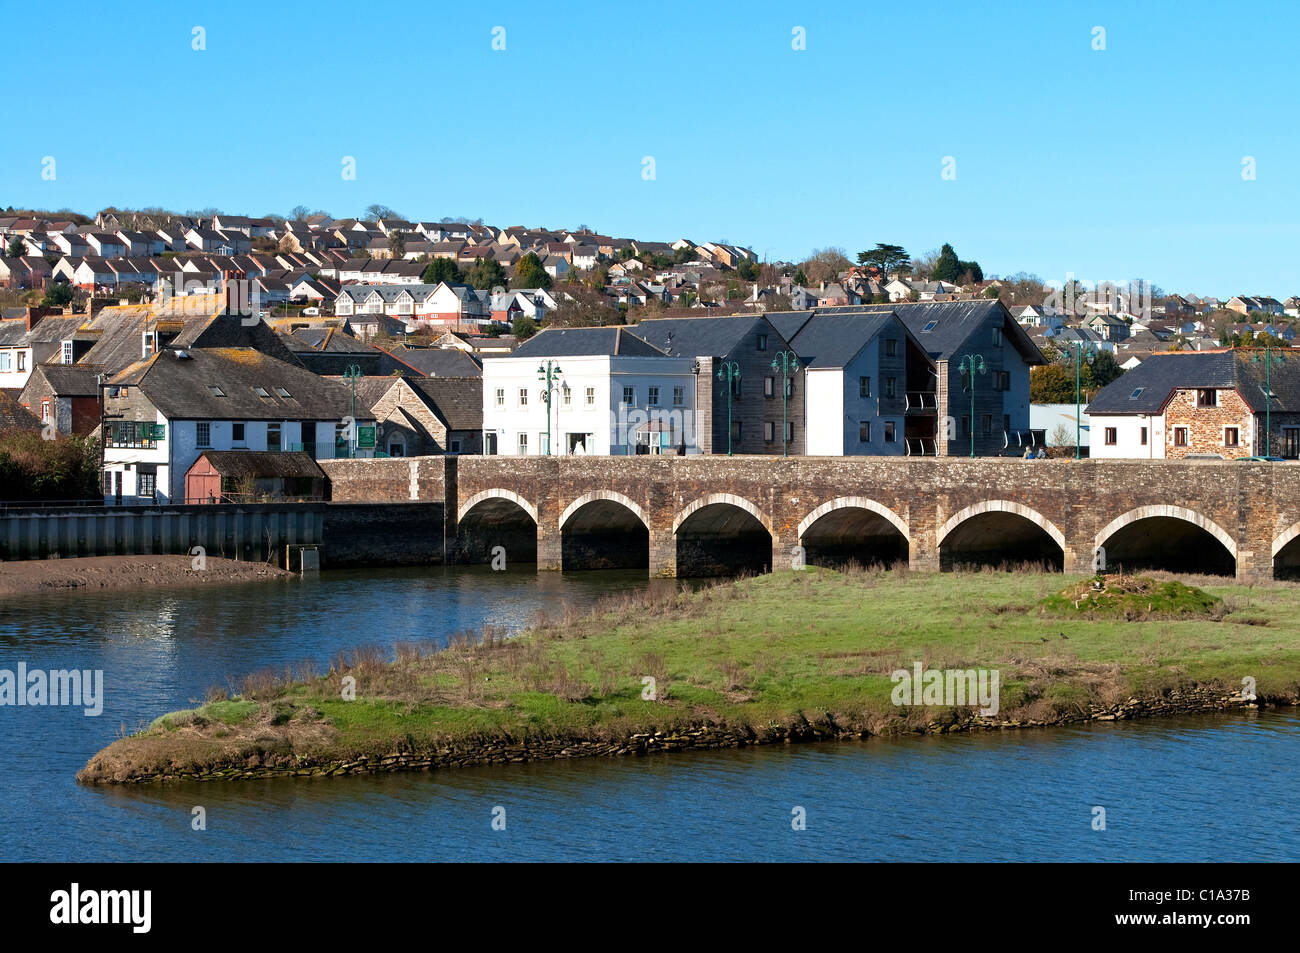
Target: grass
775, 650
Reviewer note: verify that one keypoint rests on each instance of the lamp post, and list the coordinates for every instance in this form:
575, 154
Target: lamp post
550, 373
1081, 351
968, 366
1268, 359
729, 372
788, 364
352, 375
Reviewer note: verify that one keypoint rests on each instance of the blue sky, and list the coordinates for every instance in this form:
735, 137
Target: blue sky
1110, 164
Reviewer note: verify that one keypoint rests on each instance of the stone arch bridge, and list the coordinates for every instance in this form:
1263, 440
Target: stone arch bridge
713, 514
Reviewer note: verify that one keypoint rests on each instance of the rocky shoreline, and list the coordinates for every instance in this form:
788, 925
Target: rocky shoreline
507, 750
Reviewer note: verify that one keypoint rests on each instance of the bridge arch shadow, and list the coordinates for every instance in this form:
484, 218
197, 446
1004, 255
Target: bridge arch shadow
997, 533
853, 529
1172, 538
722, 534
1286, 554
496, 518
604, 530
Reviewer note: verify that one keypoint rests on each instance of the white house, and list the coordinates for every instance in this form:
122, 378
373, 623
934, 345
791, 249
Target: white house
613, 394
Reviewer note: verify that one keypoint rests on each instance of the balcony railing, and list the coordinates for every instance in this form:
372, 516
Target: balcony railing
921, 447
922, 400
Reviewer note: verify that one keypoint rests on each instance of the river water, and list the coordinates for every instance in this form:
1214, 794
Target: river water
1198, 788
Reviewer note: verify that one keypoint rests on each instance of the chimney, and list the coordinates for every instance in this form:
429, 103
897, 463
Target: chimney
34, 315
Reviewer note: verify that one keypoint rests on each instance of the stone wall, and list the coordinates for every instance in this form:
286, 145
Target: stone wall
385, 479
1205, 425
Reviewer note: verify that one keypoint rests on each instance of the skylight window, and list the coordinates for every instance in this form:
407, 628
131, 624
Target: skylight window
1136, 394
282, 392
261, 392
216, 391
929, 326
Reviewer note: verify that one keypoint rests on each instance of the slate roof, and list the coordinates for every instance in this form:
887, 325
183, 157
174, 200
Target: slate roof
180, 387
255, 463
439, 361
701, 337
832, 340
71, 380
458, 401
955, 321
1162, 373
584, 342
14, 416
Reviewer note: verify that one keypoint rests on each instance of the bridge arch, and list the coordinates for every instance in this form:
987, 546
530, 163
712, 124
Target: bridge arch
1157, 536
712, 499
993, 532
722, 534
609, 495
496, 494
495, 522
604, 529
853, 529
1286, 554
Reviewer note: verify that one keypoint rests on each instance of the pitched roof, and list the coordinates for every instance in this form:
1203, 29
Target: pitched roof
255, 463
457, 400
585, 342
439, 361
832, 340
1162, 373
14, 416
699, 337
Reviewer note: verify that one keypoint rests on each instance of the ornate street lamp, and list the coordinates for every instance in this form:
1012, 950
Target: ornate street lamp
1081, 351
352, 375
1268, 359
788, 364
968, 366
550, 373
729, 372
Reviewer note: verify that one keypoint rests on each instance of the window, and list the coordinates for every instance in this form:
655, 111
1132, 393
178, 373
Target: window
864, 431
1231, 437
864, 386
762, 342
889, 431
629, 396
997, 337
769, 431
1111, 436
566, 396
891, 347
216, 391
22, 360
965, 425
654, 396
1002, 380
45, 411
679, 396
789, 386
986, 424
891, 386
591, 397
237, 433
203, 434
455, 446
769, 386
146, 483
4, 360
929, 326
1142, 436
67, 352
1207, 397
1136, 394
1180, 436
523, 444
501, 396
282, 392
735, 430
523, 397
1006, 422
789, 431
734, 383
262, 392
273, 443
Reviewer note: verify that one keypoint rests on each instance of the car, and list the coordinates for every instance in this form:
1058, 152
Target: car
1261, 459
311, 312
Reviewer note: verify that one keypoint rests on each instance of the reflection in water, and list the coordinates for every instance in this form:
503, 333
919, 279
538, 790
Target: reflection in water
1206, 788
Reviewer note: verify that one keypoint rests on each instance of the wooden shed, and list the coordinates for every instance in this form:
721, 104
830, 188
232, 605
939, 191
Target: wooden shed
252, 476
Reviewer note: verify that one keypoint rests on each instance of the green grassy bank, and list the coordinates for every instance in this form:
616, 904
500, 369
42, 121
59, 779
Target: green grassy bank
781, 656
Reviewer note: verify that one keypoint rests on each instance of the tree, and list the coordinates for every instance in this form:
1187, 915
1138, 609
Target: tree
747, 270
523, 327
948, 267
486, 274
529, 273
376, 211
991, 291
441, 269
885, 258
1051, 384
17, 248
800, 278
397, 244
825, 264
299, 212
58, 295
971, 273
1102, 370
